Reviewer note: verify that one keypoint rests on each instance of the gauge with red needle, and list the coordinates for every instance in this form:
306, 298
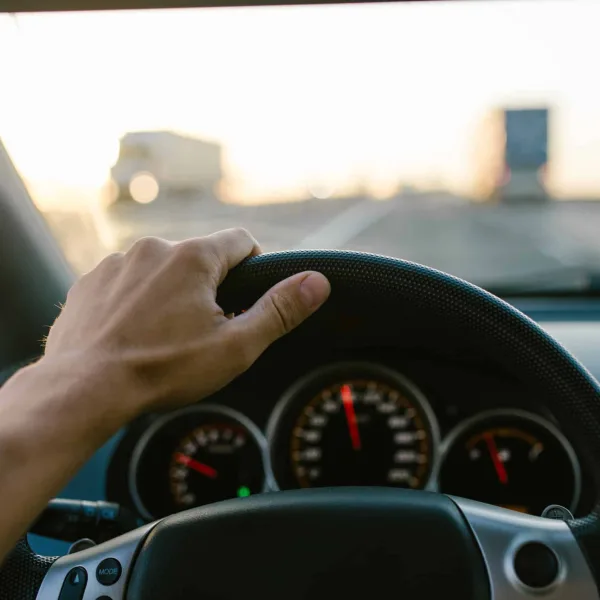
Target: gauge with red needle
192, 463
511, 458
195, 456
353, 424
210, 464
348, 402
497, 461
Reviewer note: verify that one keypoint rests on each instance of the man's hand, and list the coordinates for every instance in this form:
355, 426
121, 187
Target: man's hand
150, 317
142, 330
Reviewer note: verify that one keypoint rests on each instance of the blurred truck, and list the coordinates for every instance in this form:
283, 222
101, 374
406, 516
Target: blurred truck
512, 155
176, 165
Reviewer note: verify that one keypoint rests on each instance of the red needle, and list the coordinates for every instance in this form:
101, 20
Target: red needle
498, 464
348, 403
192, 463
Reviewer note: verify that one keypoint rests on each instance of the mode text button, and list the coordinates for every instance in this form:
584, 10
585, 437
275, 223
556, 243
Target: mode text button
108, 571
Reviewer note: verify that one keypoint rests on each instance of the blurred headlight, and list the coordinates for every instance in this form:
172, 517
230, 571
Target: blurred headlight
144, 188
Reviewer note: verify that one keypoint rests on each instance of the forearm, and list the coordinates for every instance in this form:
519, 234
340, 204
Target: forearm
52, 418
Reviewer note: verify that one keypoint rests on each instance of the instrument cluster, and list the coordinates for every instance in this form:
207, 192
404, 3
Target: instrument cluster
351, 423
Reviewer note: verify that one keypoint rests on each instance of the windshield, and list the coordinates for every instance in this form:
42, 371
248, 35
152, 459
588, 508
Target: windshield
465, 136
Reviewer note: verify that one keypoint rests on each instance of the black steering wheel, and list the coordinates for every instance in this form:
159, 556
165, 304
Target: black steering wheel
360, 542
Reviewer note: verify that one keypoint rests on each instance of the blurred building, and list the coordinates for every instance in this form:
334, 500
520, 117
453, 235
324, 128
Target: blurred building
164, 164
511, 155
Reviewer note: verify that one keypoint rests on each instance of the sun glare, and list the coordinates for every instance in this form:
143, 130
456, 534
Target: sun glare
385, 101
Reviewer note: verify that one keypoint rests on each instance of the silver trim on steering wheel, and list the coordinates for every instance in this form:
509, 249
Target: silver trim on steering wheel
501, 532
123, 548
498, 532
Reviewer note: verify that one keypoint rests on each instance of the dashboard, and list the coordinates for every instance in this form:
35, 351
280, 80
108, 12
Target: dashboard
459, 401
365, 416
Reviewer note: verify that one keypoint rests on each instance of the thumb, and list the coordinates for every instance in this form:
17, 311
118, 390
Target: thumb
280, 310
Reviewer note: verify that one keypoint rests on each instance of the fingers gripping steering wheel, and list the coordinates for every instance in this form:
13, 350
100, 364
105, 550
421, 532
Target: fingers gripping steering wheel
361, 542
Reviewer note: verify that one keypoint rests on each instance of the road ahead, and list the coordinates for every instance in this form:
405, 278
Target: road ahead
491, 245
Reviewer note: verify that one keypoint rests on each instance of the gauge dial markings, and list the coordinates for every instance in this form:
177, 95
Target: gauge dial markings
356, 424
511, 458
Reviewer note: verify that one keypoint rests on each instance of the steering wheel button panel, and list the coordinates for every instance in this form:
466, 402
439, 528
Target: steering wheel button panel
74, 585
121, 549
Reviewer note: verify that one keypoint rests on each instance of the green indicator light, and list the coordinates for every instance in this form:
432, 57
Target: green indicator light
243, 492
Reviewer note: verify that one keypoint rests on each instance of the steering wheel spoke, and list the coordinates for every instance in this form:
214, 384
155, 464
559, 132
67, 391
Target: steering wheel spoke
527, 556
353, 542
98, 572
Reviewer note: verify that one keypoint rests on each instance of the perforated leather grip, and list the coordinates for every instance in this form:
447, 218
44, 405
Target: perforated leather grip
22, 573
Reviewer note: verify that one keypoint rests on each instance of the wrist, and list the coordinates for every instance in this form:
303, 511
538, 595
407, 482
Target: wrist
54, 414
97, 387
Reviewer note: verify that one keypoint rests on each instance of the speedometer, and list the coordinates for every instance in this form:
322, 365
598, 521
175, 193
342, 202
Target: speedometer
353, 424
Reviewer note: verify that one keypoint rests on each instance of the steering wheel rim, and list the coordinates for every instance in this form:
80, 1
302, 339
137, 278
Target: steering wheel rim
522, 347
526, 350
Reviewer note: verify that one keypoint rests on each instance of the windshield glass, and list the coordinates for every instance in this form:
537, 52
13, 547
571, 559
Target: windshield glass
465, 136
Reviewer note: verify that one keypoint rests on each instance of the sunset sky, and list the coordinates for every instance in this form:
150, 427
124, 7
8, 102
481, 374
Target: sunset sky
343, 94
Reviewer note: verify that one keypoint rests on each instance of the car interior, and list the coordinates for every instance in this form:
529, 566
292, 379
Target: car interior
421, 434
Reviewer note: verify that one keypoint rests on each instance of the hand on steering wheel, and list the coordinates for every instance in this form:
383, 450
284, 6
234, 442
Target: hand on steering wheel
150, 318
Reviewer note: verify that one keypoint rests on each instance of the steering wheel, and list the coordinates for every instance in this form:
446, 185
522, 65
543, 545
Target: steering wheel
360, 542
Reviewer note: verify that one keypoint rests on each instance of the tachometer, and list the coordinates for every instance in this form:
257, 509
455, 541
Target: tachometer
196, 456
513, 459
353, 424
212, 462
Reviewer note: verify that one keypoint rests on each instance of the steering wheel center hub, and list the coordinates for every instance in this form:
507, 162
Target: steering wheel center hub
319, 544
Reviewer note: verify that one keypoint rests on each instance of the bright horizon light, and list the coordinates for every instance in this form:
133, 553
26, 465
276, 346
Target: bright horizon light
337, 97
